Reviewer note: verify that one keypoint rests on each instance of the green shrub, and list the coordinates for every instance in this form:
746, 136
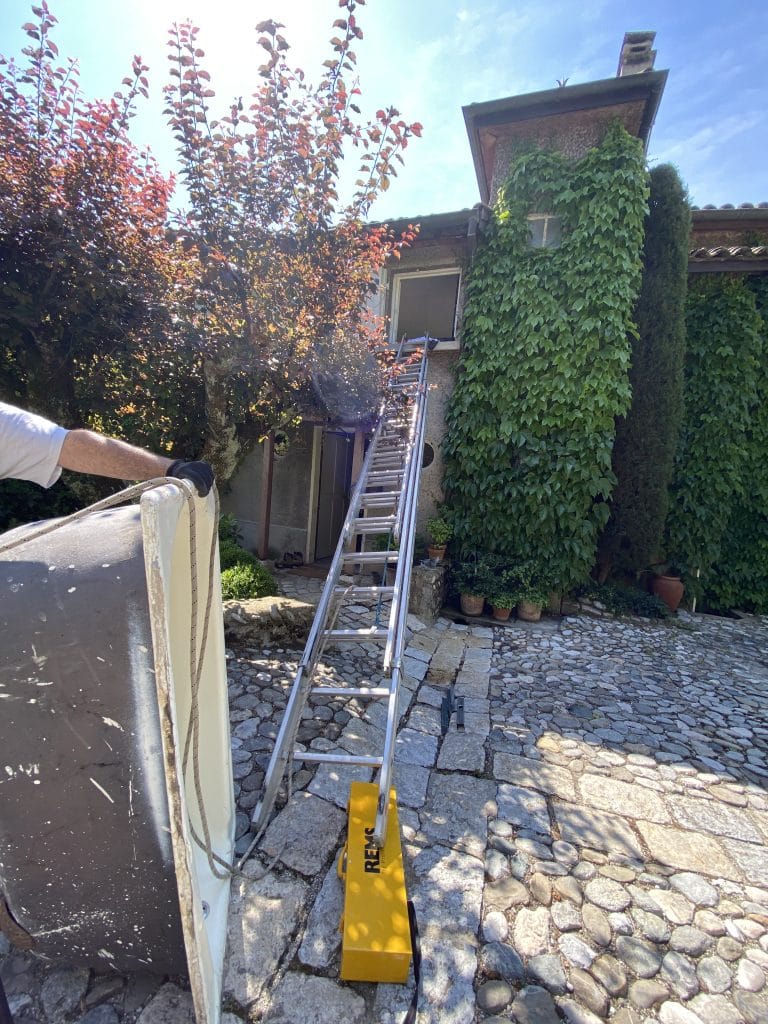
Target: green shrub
469, 578
646, 439
244, 581
720, 452
621, 600
440, 530
230, 554
229, 529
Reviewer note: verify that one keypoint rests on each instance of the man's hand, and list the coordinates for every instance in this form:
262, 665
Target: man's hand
200, 473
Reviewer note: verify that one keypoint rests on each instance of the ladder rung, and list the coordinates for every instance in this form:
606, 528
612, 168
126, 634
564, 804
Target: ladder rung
379, 497
366, 591
308, 755
351, 691
382, 475
362, 528
356, 635
370, 556
380, 522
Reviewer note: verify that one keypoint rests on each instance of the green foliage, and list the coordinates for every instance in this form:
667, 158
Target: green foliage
24, 502
469, 577
251, 308
229, 529
230, 553
621, 600
522, 581
87, 275
739, 577
242, 574
280, 264
440, 530
719, 465
244, 581
544, 369
646, 439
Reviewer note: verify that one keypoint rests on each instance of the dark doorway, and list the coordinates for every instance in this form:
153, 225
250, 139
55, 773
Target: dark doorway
334, 490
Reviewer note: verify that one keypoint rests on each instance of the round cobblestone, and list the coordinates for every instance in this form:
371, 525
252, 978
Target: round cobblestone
690, 940
606, 893
640, 956
714, 974
493, 996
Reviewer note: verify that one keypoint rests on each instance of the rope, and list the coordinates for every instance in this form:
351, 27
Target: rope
113, 499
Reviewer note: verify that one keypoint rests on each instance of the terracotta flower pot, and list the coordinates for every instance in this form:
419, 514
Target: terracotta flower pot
528, 611
437, 552
502, 614
670, 589
472, 605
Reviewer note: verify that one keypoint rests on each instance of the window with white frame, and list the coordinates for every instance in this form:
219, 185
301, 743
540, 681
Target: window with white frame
425, 303
546, 230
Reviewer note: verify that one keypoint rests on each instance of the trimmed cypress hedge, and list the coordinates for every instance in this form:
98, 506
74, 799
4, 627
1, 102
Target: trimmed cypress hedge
646, 438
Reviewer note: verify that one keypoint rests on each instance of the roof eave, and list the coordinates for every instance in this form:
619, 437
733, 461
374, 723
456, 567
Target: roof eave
587, 96
728, 266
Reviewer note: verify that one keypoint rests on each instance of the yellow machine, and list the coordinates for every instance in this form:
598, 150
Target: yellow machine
376, 943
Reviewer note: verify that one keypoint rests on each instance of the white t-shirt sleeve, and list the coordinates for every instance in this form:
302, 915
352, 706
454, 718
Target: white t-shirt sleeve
30, 446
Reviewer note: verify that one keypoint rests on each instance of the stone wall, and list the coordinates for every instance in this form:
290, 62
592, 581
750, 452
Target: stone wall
427, 594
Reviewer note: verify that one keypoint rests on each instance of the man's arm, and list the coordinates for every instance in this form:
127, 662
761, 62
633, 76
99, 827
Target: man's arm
87, 452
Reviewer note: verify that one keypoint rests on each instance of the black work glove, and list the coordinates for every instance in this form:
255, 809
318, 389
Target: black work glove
200, 473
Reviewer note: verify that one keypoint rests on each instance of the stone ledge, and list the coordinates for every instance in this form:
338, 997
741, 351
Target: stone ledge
268, 620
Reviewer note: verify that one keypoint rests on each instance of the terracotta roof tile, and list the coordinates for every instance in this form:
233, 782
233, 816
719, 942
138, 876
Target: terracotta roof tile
730, 252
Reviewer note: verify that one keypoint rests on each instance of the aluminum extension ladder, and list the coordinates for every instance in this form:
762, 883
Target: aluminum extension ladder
383, 503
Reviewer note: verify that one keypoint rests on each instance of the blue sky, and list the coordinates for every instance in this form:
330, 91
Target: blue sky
430, 57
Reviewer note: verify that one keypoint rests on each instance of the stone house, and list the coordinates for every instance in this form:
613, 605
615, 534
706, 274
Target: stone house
296, 500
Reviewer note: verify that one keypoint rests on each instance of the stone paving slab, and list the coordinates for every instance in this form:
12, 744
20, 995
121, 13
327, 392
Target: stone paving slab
688, 851
304, 834
269, 907
537, 775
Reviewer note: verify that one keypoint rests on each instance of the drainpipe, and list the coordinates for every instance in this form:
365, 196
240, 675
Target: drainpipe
693, 600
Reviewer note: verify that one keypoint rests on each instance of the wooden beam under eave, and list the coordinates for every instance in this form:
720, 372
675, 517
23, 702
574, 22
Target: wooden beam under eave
734, 266
265, 498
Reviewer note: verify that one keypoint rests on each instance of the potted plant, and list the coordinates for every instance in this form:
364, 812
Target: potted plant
502, 602
530, 590
668, 583
440, 531
503, 586
531, 600
469, 580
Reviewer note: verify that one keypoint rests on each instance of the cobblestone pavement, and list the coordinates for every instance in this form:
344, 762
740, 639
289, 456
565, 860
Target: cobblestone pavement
593, 844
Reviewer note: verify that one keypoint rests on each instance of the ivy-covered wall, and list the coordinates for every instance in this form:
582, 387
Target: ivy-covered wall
544, 369
718, 520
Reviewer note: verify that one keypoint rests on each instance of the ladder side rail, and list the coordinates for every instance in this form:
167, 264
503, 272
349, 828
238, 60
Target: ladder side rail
413, 450
408, 503
399, 615
399, 609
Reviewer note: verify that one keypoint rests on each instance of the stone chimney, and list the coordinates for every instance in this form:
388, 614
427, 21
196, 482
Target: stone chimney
636, 54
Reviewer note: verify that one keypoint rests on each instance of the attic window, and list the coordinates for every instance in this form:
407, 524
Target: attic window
424, 303
546, 230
